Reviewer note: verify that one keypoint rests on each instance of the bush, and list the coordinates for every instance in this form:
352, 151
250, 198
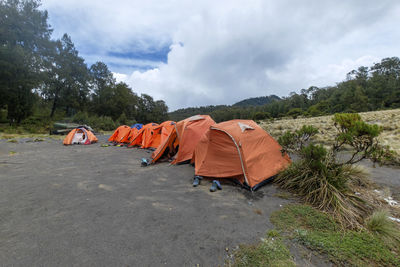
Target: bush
321, 179
81, 118
294, 141
261, 116
321, 183
102, 123
380, 224
319, 231
294, 112
37, 124
98, 123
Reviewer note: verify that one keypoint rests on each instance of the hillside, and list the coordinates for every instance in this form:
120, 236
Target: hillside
389, 120
365, 89
257, 101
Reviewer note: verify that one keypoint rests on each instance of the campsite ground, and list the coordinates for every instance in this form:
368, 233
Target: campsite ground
93, 205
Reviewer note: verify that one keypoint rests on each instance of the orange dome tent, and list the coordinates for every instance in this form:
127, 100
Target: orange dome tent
189, 131
128, 138
167, 142
119, 134
239, 149
143, 135
80, 135
154, 136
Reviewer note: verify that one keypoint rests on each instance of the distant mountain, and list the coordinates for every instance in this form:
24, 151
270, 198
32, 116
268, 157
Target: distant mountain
257, 101
220, 112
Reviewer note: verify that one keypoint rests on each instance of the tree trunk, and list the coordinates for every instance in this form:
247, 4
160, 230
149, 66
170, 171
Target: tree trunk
53, 108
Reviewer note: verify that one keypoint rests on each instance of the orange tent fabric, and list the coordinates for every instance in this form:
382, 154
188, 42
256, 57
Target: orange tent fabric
80, 135
132, 133
189, 131
143, 135
168, 136
154, 136
119, 134
239, 149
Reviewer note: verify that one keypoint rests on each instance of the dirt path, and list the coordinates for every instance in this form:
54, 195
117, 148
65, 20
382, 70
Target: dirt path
94, 206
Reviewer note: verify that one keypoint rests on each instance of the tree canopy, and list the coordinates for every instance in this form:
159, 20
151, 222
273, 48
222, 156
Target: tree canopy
37, 72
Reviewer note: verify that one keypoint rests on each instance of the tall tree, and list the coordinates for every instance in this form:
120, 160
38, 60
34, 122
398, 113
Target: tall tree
24, 40
68, 82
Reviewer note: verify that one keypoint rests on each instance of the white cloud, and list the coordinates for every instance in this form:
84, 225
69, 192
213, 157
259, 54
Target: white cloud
224, 51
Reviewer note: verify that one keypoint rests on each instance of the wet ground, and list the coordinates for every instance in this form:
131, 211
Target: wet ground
95, 206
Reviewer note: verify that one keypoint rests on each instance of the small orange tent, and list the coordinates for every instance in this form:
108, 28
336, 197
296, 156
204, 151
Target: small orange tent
153, 136
189, 131
80, 135
132, 133
119, 134
239, 149
167, 140
142, 135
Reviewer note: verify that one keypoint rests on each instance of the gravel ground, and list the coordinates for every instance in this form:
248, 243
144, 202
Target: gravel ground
95, 206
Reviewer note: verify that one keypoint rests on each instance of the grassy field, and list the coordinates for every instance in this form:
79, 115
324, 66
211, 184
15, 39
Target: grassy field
388, 119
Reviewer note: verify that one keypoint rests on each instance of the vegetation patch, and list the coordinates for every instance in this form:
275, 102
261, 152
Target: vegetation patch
328, 181
271, 251
319, 231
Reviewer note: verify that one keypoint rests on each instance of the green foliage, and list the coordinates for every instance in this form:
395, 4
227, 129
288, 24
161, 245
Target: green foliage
295, 141
354, 248
319, 231
25, 35
97, 122
295, 216
261, 116
37, 124
257, 101
324, 182
321, 183
81, 118
270, 252
380, 225
294, 112
365, 89
362, 137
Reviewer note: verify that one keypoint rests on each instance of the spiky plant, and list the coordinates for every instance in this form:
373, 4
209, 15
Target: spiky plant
380, 224
322, 183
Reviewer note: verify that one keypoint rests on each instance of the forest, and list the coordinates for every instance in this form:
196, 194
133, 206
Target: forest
376, 87
44, 80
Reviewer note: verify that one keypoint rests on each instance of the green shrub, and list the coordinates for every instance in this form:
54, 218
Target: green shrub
321, 179
294, 112
37, 124
321, 183
380, 224
261, 116
102, 123
294, 141
320, 232
81, 118
270, 252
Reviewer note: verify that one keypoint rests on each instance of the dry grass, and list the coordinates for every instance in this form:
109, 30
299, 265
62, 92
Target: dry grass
388, 119
37, 137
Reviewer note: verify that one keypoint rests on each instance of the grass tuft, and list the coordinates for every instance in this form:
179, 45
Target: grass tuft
328, 188
380, 225
270, 252
319, 231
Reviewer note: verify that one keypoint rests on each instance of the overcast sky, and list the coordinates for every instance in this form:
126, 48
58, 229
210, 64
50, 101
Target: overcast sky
193, 53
